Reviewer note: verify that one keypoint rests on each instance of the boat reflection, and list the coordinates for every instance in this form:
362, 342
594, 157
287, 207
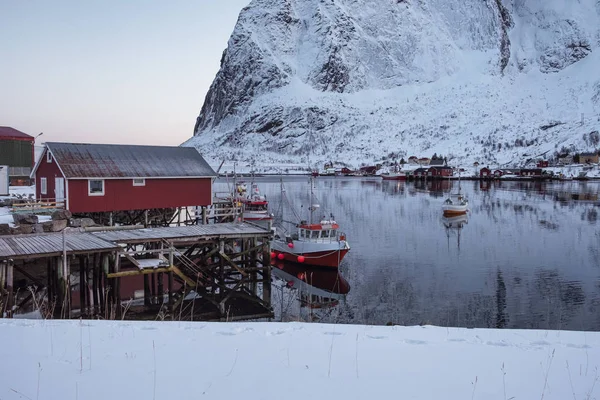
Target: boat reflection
453, 225
317, 288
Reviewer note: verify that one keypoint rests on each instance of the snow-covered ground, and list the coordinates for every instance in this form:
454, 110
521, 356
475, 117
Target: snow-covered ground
18, 191
184, 360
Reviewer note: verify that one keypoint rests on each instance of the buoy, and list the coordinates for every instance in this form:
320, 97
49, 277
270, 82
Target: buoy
301, 259
273, 254
280, 256
291, 245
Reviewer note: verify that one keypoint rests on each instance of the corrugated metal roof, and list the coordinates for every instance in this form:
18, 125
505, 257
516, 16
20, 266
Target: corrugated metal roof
79, 160
30, 246
8, 132
51, 243
183, 232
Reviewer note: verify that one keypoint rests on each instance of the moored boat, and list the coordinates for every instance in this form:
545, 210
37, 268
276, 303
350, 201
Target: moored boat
456, 204
255, 207
319, 244
394, 176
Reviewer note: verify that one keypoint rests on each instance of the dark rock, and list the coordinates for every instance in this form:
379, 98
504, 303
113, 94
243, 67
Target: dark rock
25, 219
47, 226
38, 228
61, 214
59, 224
4, 229
21, 229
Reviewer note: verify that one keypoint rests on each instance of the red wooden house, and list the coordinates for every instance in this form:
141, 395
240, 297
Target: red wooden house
439, 172
107, 177
485, 172
420, 173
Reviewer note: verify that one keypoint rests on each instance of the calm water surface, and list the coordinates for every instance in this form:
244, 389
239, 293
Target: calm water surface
527, 256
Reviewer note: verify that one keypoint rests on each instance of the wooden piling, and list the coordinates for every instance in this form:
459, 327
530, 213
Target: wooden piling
146, 291
9, 288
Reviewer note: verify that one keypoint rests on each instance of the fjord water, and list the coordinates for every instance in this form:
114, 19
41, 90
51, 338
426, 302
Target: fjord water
528, 255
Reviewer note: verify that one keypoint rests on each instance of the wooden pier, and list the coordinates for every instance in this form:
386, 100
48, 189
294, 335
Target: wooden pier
200, 272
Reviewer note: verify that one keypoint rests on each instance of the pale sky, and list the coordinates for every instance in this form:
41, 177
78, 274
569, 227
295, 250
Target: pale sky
110, 71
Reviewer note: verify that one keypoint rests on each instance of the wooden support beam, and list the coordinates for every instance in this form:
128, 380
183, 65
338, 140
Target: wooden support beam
181, 275
9, 289
82, 284
170, 287
146, 271
146, 291
37, 282
131, 259
232, 263
160, 295
117, 285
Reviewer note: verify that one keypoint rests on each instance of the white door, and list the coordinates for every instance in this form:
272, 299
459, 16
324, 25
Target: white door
59, 189
3, 180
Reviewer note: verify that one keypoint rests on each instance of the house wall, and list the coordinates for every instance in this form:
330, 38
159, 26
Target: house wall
48, 170
588, 159
121, 195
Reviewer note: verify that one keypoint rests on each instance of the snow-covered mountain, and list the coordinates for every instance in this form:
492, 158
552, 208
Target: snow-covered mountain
355, 80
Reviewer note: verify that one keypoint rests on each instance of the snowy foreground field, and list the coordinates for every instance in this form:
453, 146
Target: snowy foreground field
160, 360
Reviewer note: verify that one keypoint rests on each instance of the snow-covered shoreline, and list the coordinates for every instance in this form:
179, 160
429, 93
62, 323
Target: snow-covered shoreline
48, 359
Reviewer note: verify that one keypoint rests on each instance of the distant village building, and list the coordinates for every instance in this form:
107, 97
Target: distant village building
531, 172
424, 161
106, 177
565, 159
438, 162
17, 152
413, 160
588, 158
369, 170
542, 164
440, 172
420, 173
485, 172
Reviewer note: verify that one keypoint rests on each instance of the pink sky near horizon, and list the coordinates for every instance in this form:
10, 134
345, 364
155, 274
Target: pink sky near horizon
130, 72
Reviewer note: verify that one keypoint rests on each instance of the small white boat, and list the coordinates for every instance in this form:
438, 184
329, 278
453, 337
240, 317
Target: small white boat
456, 204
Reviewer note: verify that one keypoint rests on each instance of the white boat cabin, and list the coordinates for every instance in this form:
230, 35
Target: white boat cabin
325, 231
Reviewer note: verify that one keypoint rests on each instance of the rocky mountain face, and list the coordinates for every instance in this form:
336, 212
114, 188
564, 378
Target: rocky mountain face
356, 80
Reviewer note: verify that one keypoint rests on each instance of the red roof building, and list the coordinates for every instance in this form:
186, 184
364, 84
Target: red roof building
105, 177
484, 172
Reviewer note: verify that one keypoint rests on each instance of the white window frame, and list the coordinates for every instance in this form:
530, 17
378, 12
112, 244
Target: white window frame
48, 156
43, 185
96, 194
142, 183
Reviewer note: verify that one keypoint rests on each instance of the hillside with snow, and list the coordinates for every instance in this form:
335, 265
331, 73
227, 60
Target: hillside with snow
494, 81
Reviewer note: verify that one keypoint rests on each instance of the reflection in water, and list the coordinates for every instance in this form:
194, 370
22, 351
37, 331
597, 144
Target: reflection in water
315, 289
529, 252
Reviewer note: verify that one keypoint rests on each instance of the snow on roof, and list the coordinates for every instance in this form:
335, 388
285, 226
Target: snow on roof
79, 160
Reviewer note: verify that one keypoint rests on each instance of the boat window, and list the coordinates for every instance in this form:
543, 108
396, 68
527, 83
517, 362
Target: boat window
333, 233
315, 235
325, 234
302, 233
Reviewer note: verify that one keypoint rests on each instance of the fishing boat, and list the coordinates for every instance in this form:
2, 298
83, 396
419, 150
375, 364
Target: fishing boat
394, 175
456, 204
319, 243
255, 207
